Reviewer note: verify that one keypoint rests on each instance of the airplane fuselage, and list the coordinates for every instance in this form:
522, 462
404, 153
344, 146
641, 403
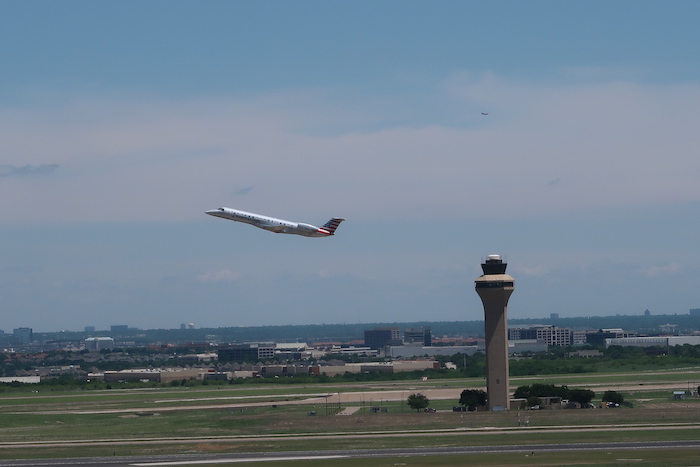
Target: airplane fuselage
276, 225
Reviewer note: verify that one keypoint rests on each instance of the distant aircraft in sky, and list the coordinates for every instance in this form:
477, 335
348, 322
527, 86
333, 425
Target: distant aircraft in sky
484, 113
278, 225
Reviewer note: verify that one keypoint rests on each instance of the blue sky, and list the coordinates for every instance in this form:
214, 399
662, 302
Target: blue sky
122, 122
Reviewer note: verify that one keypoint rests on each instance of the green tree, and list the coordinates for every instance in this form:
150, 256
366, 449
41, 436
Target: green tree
613, 396
533, 401
418, 401
472, 398
581, 396
541, 390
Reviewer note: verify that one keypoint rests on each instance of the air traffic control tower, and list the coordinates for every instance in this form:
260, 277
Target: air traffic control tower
494, 287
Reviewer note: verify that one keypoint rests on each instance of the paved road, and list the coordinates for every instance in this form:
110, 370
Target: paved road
194, 459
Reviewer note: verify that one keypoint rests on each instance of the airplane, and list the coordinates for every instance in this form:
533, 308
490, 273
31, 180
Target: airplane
275, 225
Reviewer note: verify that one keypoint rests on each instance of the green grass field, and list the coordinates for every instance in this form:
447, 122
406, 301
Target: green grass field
205, 419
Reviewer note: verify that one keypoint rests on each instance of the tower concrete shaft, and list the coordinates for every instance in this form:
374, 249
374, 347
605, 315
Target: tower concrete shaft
494, 288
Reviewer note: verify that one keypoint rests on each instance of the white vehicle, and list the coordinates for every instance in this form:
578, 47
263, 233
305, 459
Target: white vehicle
278, 225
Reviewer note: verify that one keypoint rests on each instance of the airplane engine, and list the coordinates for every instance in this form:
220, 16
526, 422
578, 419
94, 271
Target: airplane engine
307, 228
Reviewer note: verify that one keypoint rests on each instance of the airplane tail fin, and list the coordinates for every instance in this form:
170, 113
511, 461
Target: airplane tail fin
333, 224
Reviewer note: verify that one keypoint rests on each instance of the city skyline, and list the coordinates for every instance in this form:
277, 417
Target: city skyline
559, 135
686, 323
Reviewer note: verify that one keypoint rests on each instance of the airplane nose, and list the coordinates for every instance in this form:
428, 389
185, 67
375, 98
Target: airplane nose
221, 212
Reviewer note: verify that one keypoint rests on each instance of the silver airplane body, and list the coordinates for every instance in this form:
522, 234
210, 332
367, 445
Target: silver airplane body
275, 225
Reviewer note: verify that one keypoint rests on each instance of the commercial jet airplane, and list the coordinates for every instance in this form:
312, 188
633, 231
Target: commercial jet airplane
278, 225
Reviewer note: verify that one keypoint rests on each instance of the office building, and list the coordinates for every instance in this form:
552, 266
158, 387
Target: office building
23, 335
255, 352
378, 338
418, 336
99, 343
598, 338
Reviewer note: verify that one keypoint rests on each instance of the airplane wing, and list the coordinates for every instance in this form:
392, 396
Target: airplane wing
273, 227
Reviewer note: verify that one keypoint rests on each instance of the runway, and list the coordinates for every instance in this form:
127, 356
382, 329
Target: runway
213, 459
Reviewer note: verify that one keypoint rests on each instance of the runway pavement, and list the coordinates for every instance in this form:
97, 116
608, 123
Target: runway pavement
212, 459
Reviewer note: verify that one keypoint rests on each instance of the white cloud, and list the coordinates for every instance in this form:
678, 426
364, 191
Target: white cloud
225, 275
530, 270
26, 170
656, 271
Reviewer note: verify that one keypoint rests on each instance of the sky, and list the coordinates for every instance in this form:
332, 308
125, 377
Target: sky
122, 122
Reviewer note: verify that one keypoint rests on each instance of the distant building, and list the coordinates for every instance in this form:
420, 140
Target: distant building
255, 352
89, 329
519, 347
381, 367
119, 328
99, 343
548, 334
553, 335
21, 379
418, 336
417, 350
517, 333
352, 350
554, 316
516, 347
23, 335
190, 359
695, 312
599, 337
578, 337
654, 341
164, 375
586, 353
647, 313
378, 338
